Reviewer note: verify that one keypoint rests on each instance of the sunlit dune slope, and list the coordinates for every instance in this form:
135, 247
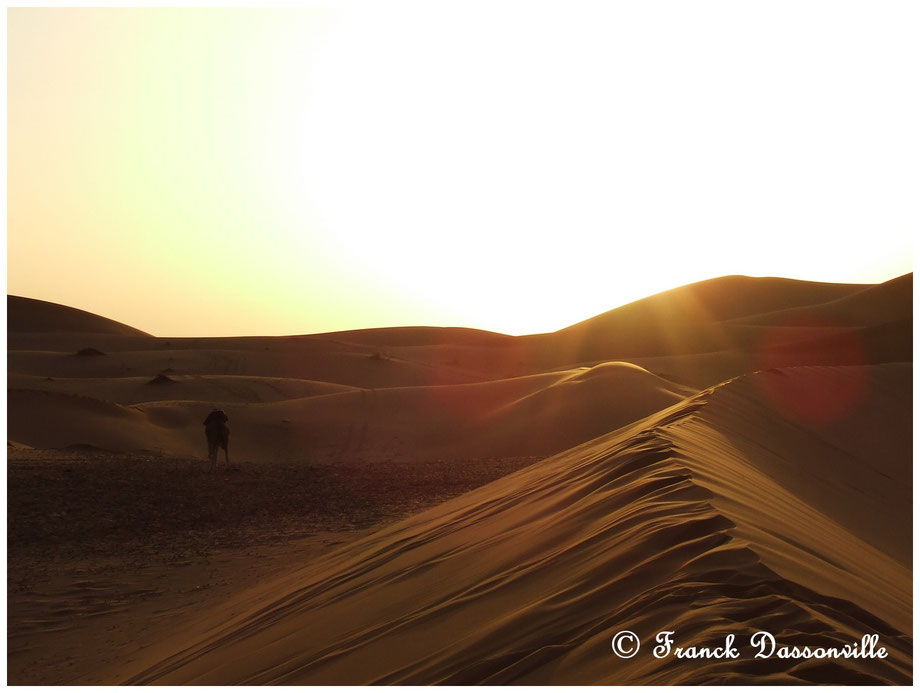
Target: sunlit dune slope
688, 319
869, 307
579, 407
703, 333
886, 343
531, 415
729, 512
725, 298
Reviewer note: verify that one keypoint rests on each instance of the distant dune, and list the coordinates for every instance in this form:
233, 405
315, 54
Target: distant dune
364, 393
294, 419
188, 388
695, 318
32, 315
868, 307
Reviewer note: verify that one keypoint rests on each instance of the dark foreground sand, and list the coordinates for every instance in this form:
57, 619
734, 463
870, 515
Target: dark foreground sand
95, 580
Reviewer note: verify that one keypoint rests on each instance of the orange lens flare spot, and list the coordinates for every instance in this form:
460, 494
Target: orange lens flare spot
813, 340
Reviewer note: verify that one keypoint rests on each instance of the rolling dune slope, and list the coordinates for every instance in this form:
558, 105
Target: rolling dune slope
874, 305
433, 391
532, 415
190, 388
332, 363
729, 512
31, 315
692, 318
732, 318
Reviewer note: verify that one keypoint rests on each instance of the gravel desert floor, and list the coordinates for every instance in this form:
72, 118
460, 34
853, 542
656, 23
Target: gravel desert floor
93, 579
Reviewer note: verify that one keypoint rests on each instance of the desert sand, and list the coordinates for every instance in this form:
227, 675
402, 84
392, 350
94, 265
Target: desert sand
444, 505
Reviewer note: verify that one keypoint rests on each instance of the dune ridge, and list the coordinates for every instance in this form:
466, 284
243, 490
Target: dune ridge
647, 528
529, 415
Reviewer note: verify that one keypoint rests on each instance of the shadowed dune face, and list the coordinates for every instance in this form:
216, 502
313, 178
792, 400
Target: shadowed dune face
695, 519
30, 315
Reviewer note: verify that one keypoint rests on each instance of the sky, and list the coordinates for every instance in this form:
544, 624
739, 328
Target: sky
230, 171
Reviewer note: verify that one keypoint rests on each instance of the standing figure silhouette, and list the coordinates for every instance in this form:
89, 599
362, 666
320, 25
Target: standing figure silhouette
217, 432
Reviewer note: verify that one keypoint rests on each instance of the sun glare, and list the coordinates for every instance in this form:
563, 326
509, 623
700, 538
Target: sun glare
505, 167
512, 170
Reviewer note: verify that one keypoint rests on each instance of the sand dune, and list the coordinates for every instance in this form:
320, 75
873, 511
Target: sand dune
725, 315
721, 299
887, 343
32, 315
191, 388
690, 319
342, 366
701, 518
420, 336
582, 406
531, 415
45, 419
875, 305
433, 391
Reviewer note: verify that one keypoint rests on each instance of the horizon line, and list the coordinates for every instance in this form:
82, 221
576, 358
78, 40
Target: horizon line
448, 327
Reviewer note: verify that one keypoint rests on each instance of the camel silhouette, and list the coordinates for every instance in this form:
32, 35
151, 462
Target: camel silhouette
217, 432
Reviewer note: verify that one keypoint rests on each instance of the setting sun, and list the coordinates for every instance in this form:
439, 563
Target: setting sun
271, 171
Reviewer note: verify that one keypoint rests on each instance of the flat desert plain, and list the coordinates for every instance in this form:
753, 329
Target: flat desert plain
426, 505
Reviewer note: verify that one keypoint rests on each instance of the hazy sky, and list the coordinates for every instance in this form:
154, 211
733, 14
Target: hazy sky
202, 171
